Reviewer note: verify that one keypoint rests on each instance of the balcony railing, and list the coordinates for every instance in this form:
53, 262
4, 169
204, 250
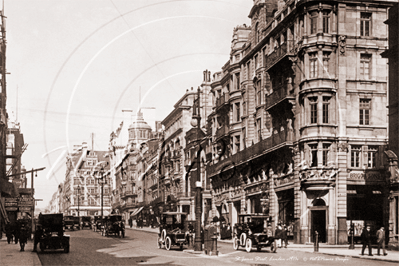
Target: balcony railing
128, 194
222, 131
278, 95
279, 52
256, 150
224, 99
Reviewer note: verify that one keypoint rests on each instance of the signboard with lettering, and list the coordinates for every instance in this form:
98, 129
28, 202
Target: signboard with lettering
11, 209
25, 202
365, 176
25, 209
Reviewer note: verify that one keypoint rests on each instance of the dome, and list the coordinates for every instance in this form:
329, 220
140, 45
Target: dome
139, 123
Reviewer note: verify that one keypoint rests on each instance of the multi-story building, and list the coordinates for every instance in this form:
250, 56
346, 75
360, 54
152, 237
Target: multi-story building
84, 191
175, 185
305, 137
393, 104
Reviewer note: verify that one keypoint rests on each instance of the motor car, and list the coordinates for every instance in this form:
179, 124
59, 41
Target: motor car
53, 236
253, 230
171, 230
69, 222
76, 222
113, 226
85, 222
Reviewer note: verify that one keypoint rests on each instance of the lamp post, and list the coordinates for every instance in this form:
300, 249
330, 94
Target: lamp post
79, 205
100, 178
196, 122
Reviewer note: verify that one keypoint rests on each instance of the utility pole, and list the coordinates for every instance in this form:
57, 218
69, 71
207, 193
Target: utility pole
31, 191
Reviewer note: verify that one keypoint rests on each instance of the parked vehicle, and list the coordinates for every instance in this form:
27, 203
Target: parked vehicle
171, 230
76, 222
69, 222
253, 231
53, 233
113, 226
85, 222
96, 223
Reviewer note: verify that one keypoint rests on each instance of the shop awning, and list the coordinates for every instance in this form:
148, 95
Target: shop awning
136, 211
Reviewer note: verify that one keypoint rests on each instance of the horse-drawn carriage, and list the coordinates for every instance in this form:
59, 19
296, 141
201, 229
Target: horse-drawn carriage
113, 225
53, 233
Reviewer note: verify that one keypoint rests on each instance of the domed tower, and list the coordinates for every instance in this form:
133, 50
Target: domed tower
139, 130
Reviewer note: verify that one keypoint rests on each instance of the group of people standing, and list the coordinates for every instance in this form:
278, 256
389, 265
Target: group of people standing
17, 232
281, 235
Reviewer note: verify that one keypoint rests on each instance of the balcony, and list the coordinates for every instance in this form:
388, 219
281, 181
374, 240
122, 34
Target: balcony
261, 148
222, 100
281, 93
285, 49
127, 193
222, 131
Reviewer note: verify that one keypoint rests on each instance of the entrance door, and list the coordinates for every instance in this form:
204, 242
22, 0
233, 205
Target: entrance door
319, 225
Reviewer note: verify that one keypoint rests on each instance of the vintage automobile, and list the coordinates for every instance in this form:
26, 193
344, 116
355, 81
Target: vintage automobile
253, 230
113, 226
53, 233
69, 222
76, 222
171, 230
85, 222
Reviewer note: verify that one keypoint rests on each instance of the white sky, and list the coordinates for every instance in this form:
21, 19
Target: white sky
88, 59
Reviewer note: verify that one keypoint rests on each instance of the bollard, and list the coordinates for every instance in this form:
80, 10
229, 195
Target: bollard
214, 251
352, 232
316, 242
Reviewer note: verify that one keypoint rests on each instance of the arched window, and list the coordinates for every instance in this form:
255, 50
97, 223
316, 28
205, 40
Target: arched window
257, 35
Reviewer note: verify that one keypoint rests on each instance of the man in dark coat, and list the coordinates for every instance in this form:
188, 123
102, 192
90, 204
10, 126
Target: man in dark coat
23, 237
366, 240
16, 228
277, 235
381, 241
284, 237
37, 236
8, 228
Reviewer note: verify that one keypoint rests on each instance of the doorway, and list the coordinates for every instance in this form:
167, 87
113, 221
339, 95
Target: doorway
318, 220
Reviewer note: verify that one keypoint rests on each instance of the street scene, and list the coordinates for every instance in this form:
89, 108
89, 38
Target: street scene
191, 132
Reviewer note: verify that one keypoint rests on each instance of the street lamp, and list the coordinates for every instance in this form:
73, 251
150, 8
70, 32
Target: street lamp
100, 177
79, 205
196, 122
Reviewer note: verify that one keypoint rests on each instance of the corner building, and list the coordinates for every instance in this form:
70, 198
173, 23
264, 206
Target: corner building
299, 124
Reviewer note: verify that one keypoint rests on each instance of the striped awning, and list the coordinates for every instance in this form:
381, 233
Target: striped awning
136, 211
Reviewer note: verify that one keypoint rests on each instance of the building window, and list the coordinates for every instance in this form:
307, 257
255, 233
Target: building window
257, 35
326, 21
256, 62
326, 107
365, 24
237, 109
326, 64
365, 63
355, 156
372, 157
313, 155
313, 22
244, 105
313, 65
259, 128
258, 92
313, 110
237, 81
326, 150
237, 143
249, 70
364, 111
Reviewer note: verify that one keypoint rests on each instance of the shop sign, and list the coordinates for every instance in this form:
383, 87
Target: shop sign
366, 176
25, 209
25, 202
11, 209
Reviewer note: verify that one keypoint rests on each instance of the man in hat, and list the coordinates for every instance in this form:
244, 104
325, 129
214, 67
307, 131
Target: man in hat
381, 241
23, 236
366, 240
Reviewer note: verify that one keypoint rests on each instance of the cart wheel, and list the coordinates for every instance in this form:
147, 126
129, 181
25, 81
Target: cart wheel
248, 245
66, 249
274, 247
168, 243
236, 243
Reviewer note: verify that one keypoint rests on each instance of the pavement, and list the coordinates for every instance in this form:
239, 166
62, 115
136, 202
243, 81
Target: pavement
10, 254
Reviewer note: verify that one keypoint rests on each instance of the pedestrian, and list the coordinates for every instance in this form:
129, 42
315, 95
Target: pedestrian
37, 236
284, 238
277, 235
130, 222
381, 241
23, 237
366, 240
16, 229
9, 234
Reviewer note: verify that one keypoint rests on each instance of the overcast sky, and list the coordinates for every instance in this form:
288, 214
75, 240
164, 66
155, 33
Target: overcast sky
76, 64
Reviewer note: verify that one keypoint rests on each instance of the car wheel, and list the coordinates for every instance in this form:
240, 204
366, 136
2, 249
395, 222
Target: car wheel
168, 243
159, 245
274, 246
248, 245
236, 243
